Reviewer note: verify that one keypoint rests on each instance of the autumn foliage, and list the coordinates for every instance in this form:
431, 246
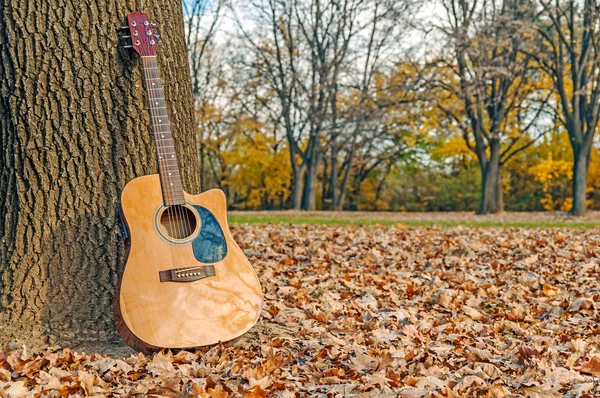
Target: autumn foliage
325, 105
355, 311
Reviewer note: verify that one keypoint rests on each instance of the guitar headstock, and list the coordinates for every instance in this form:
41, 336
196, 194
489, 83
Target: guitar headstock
141, 36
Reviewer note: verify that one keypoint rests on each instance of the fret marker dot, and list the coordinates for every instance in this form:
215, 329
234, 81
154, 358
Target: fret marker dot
162, 135
160, 157
157, 103
160, 121
154, 84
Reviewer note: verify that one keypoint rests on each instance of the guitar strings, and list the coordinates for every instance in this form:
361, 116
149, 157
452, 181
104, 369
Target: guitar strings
150, 76
175, 212
179, 223
178, 212
182, 220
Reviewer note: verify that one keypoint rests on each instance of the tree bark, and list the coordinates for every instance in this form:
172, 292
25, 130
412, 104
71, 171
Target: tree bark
499, 191
580, 173
491, 184
74, 129
297, 185
339, 205
333, 181
308, 196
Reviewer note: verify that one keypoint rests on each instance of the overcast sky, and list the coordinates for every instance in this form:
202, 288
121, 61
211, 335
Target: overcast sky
429, 12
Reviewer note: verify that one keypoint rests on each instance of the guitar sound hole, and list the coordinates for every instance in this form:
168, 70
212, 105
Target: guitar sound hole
178, 222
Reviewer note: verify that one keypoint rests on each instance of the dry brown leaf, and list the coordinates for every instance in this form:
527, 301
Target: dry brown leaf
591, 367
264, 383
498, 391
541, 391
376, 311
581, 303
218, 392
16, 389
579, 389
4, 375
472, 312
256, 392
198, 390
87, 382
550, 290
491, 371
362, 362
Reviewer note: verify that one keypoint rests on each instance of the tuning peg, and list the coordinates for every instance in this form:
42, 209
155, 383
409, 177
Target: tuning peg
123, 28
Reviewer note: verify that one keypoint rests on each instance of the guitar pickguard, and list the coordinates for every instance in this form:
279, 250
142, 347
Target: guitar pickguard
210, 245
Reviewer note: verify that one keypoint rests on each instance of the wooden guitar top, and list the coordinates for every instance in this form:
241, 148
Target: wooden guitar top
154, 314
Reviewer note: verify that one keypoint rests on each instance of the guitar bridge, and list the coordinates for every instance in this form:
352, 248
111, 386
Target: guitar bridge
189, 274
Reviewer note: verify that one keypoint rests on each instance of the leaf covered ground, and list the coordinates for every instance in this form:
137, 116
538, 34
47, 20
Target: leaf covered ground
377, 311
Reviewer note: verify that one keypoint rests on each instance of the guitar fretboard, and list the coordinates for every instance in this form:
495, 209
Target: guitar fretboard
168, 168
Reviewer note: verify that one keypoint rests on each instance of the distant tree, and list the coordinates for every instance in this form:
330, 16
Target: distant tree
489, 86
314, 55
567, 49
298, 47
240, 150
201, 18
358, 103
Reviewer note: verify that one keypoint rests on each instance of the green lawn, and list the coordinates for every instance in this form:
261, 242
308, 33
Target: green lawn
450, 219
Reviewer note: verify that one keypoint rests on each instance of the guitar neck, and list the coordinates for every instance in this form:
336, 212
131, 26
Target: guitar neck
168, 168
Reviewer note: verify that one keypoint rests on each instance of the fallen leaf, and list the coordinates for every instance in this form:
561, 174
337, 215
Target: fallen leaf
550, 290
591, 367
541, 391
256, 392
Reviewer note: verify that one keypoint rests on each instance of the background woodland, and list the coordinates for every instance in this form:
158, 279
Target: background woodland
398, 105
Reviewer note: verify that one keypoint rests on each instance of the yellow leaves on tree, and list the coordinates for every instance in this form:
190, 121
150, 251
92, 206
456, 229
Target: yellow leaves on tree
369, 200
550, 172
556, 174
453, 147
260, 170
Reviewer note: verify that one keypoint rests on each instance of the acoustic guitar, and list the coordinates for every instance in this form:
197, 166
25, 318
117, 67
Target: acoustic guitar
186, 283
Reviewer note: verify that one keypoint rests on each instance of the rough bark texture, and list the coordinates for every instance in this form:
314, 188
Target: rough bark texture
310, 181
297, 185
74, 129
580, 173
491, 183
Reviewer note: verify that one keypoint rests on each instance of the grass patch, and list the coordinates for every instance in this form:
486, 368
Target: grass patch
339, 219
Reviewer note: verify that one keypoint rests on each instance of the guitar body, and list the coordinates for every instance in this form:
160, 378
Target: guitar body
182, 290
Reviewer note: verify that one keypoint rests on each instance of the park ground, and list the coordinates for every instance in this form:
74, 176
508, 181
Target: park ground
379, 304
442, 219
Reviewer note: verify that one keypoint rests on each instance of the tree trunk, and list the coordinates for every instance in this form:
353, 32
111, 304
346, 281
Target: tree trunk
308, 196
491, 184
325, 187
333, 182
297, 185
499, 191
339, 206
74, 129
580, 172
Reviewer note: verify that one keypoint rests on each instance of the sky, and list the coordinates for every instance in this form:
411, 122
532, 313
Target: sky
429, 12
